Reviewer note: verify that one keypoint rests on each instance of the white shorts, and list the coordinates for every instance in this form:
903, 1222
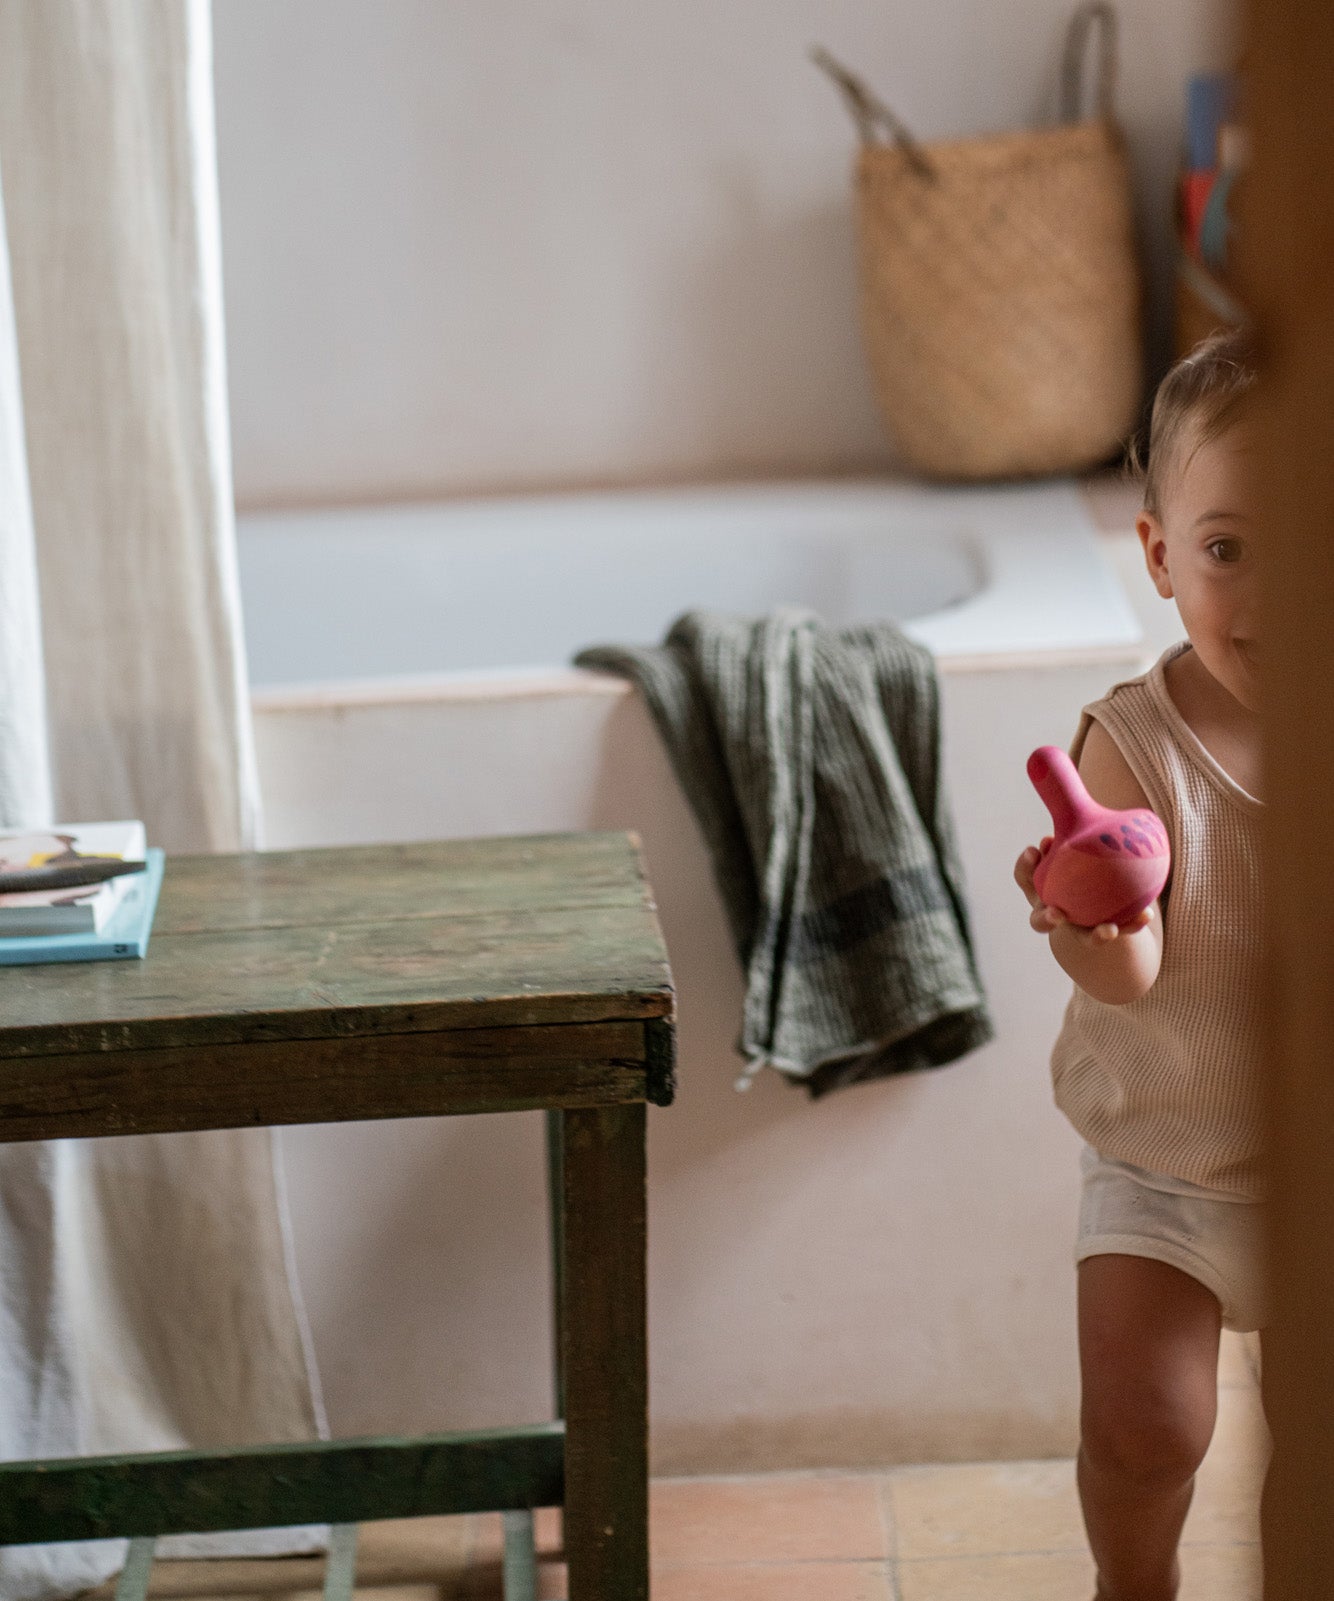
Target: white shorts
1216, 1238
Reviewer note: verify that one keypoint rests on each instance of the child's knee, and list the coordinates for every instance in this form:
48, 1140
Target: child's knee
1160, 1444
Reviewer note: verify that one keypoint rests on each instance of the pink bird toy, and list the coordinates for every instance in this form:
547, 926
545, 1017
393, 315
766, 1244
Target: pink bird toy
1101, 866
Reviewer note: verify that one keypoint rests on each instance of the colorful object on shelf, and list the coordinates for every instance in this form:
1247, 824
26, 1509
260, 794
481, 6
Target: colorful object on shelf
1215, 155
1101, 866
1211, 242
1211, 101
1215, 152
1192, 201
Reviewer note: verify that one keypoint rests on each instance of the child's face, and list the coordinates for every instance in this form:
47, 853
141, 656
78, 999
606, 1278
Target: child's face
1202, 551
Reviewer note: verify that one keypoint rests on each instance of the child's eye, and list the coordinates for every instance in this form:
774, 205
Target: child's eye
1225, 550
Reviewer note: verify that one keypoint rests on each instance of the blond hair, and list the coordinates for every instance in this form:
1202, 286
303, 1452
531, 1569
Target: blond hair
1202, 396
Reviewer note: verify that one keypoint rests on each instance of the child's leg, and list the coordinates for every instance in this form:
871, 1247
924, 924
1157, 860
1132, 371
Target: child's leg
1148, 1348
1275, 1494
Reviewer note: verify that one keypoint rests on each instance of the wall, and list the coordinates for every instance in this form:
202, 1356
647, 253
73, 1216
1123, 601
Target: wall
506, 246
502, 245
882, 1276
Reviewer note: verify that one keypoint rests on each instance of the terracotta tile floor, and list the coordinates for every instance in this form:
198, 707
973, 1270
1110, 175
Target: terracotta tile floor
979, 1531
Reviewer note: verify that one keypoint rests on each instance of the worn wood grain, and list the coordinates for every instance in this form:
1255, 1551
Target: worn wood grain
369, 883
555, 1154
660, 1040
263, 1486
1286, 235
321, 1081
390, 939
383, 981
605, 1354
305, 983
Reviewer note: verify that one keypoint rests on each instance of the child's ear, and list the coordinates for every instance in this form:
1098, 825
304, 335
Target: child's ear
1154, 542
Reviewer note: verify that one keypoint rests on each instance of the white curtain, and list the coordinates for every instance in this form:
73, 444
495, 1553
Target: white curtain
147, 1297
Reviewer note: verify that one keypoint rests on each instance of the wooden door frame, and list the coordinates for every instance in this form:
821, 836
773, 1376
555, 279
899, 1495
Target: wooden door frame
1288, 244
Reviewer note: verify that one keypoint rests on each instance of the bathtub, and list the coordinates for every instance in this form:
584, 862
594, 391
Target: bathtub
883, 1276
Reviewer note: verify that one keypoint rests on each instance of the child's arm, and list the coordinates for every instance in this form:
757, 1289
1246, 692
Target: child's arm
1111, 964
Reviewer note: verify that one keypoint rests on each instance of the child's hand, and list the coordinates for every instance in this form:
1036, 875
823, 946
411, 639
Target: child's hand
1041, 917
1044, 918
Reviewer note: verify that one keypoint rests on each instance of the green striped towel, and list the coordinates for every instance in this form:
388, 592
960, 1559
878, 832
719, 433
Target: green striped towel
811, 758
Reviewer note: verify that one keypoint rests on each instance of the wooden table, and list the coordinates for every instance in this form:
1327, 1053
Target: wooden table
367, 982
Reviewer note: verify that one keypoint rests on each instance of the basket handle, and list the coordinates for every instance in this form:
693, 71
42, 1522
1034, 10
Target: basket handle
869, 112
1097, 14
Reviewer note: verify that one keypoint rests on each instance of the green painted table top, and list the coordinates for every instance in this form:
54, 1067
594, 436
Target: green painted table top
501, 943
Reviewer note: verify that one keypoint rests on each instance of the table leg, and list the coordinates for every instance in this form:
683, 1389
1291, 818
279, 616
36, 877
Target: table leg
133, 1582
556, 1215
520, 1577
340, 1566
605, 1354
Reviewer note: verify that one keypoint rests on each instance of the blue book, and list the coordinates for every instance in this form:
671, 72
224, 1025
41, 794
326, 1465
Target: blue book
1211, 100
125, 933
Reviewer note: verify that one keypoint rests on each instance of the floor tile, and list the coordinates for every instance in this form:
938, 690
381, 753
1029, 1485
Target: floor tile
1006, 1531
411, 1559
489, 1541
1237, 1361
767, 1518
486, 1582
485, 1577
775, 1581
1241, 1431
453, 1589
1226, 1507
1221, 1573
408, 1559
553, 1582
415, 1548
221, 1582
1052, 1576
237, 1580
985, 1509
1209, 1573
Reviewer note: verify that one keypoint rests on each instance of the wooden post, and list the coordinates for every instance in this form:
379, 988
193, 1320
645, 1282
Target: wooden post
605, 1355
1288, 238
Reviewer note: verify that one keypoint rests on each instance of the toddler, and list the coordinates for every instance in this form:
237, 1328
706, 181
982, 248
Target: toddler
1157, 1060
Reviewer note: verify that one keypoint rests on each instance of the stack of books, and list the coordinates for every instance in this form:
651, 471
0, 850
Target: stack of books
79, 892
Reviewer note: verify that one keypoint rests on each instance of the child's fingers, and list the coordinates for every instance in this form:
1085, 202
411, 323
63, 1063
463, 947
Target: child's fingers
1044, 918
1110, 931
1023, 874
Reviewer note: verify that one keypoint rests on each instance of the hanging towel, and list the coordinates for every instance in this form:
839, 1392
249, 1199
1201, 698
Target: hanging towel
811, 758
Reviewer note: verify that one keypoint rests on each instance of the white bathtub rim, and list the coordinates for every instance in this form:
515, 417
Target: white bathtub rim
538, 683
481, 684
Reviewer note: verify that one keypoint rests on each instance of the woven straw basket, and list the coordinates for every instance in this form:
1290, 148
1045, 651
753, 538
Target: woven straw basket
1000, 284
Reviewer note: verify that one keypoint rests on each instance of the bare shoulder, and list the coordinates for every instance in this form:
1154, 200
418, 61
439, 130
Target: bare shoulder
1106, 773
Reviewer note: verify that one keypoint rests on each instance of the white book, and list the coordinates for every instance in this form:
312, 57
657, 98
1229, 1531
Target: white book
82, 909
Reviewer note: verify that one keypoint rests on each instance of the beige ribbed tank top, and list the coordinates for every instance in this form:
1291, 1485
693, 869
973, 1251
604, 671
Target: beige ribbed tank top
1171, 1082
